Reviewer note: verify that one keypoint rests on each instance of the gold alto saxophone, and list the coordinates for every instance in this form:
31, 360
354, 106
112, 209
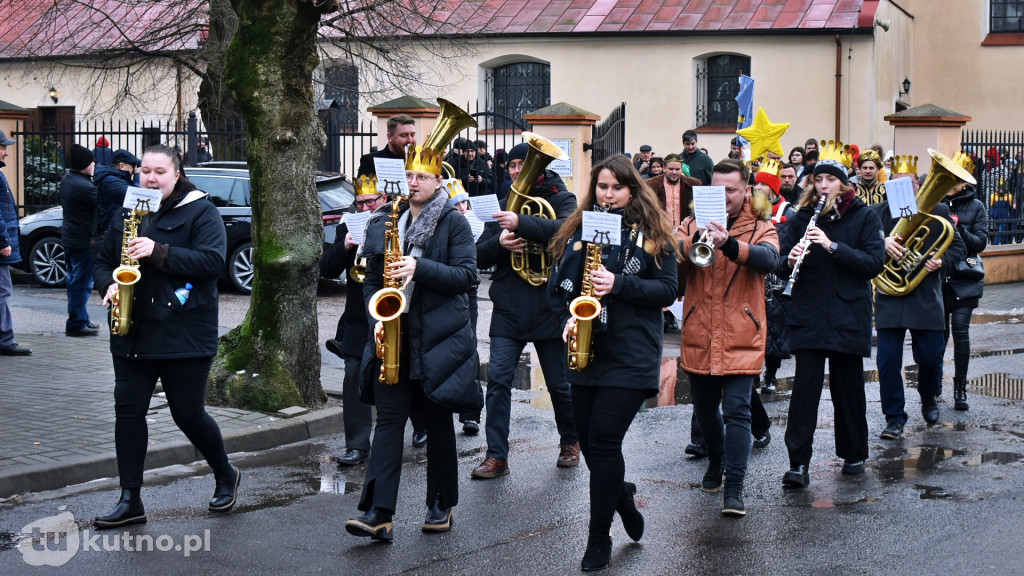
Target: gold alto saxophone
584, 308
127, 274
541, 153
387, 304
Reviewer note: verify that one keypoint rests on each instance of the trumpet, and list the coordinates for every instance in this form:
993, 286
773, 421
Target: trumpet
702, 252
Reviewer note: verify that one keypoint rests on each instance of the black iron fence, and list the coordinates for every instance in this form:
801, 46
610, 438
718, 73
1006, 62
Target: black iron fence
998, 163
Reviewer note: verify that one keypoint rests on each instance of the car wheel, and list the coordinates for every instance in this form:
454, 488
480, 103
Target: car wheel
240, 269
46, 262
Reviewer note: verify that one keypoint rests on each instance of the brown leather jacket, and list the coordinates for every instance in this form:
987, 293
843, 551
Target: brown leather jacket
724, 324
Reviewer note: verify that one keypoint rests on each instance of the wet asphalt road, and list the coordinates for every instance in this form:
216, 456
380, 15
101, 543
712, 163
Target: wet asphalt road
945, 499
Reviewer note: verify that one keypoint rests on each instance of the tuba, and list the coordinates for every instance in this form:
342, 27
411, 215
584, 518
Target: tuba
924, 236
542, 152
388, 303
585, 309
127, 274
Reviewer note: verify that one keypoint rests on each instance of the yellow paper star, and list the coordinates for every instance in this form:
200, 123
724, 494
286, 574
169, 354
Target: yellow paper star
763, 135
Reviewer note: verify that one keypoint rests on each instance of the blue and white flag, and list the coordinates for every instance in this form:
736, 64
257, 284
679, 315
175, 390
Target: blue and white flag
745, 105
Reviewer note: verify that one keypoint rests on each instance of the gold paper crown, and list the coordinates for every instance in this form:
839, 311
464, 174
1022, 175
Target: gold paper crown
454, 187
904, 164
366, 185
770, 166
420, 159
965, 162
832, 150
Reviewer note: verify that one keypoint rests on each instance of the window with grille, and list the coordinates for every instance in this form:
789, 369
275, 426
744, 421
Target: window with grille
519, 88
341, 84
1006, 15
718, 83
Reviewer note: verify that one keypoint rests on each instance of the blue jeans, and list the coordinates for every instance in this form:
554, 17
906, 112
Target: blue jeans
928, 347
505, 354
729, 439
79, 283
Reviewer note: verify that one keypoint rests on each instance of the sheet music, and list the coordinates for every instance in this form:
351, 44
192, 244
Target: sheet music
485, 206
474, 224
900, 194
391, 176
709, 205
357, 225
134, 194
602, 228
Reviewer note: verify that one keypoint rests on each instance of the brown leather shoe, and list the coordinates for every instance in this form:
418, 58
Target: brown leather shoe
568, 455
490, 468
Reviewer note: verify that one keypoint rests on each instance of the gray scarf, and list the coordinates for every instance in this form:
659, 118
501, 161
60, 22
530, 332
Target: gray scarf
426, 223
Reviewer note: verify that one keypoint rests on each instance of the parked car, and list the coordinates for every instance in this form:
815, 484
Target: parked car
43, 255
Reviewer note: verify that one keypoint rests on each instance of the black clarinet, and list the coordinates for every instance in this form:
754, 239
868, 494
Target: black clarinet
788, 291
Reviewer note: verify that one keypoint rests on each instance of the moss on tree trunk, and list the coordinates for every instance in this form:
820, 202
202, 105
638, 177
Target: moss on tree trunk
272, 360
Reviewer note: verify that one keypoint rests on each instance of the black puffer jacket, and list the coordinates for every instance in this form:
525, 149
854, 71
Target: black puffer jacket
628, 345
972, 224
831, 305
163, 327
111, 186
336, 261
78, 197
442, 342
522, 311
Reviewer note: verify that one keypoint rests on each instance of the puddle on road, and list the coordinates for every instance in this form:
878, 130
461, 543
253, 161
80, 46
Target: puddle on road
331, 480
828, 503
997, 385
985, 318
932, 492
894, 463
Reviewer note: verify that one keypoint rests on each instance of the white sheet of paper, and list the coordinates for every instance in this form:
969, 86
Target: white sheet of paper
900, 194
602, 228
474, 224
677, 309
134, 194
485, 206
709, 205
391, 176
357, 225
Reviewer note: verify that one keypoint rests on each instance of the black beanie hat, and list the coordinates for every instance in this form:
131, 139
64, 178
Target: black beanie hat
834, 168
80, 158
518, 152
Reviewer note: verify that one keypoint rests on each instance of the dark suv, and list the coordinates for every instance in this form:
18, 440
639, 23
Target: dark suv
43, 256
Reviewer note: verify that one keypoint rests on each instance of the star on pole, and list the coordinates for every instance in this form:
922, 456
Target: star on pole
763, 135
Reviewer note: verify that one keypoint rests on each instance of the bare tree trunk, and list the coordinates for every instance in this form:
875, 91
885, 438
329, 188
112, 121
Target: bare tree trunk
269, 68
220, 112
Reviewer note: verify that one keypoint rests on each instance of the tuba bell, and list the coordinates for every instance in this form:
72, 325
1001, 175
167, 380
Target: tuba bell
924, 236
450, 121
541, 153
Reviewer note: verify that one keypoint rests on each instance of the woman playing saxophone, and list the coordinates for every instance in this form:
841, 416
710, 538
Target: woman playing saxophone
633, 280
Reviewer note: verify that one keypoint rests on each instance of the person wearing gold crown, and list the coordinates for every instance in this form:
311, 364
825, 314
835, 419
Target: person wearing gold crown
353, 327
870, 188
438, 362
829, 316
920, 312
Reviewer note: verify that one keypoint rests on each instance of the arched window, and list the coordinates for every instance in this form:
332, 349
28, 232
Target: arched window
519, 88
717, 86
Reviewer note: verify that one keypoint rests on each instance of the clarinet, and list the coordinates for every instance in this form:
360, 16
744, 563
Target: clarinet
788, 291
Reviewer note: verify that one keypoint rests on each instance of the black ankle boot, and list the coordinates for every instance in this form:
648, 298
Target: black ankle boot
226, 491
598, 554
129, 510
632, 520
960, 394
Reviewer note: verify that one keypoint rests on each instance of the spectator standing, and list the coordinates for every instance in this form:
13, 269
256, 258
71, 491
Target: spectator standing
102, 153
796, 157
476, 175
657, 166
203, 150
642, 162
401, 133
699, 162
724, 330
10, 253
78, 197
787, 184
112, 184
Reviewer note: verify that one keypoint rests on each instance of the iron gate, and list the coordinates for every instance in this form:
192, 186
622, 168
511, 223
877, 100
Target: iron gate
998, 158
608, 137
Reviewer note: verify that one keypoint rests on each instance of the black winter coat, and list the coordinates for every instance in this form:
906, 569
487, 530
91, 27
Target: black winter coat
335, 262
442, 343
111, 186
366, 166
522, 311
831, 302
628, 348
8, 223
922, 308
78, 197
162, 327
972, 225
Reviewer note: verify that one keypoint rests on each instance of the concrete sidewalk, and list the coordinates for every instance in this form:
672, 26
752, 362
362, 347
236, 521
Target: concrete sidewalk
57, 414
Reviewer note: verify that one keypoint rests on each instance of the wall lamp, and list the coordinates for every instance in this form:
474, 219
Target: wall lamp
883, 24
906, 88
54, 95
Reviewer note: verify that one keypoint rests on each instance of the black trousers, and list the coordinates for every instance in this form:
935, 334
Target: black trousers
846, 383
958, 322
395, 404
603, 415
184, 382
